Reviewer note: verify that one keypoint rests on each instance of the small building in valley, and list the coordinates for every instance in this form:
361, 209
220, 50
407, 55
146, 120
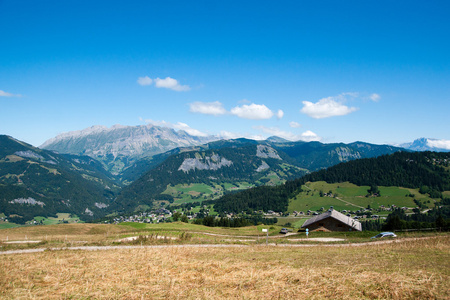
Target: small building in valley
332, 220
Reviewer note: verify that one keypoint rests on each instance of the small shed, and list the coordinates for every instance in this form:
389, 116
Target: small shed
332, 220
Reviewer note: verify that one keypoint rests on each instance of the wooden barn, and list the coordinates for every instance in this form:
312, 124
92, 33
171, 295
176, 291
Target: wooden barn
332, 220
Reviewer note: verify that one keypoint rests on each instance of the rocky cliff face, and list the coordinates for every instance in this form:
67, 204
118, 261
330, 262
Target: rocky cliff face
120, 146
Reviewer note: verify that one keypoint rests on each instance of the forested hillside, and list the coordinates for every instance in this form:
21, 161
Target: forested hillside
35, 182
406, 169
40, 182
311, 156
251, 163
428, 171
315, 155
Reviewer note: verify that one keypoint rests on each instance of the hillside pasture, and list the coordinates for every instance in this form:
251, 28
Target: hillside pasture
5, 225
195, 192
185, 193
352, 197
61, 217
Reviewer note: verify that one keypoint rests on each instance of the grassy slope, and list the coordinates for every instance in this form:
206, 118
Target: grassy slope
353, 197
61, 217
4, 225
184, 193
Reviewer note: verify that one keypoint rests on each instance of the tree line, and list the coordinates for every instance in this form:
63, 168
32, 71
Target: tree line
403, 169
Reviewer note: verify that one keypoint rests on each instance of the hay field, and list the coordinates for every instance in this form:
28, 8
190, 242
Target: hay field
411, 269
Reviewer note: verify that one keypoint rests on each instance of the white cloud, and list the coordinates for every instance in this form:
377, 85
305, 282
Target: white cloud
328, 107
441, 144
244, 101
227, 135
5, 94
294, 124
177, 126
145, 80
375, 97
167, 83
170, 83
233, 135
252, 112
209, 108
275, 131
350, 94
188, 129
307, 136
280, 114
158, 123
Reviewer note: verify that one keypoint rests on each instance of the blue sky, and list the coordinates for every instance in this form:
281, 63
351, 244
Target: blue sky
333, 71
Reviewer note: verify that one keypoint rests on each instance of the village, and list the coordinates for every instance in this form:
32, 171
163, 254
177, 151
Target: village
163, 215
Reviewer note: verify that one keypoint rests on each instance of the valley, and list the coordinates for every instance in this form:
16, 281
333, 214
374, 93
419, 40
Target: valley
186, 180
224, 150
191, 223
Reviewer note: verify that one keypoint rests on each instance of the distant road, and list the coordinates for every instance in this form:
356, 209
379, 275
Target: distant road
100, 248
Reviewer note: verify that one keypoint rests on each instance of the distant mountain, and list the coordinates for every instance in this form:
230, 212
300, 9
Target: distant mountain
425, 144
315, 155
234, 161
311, 156
216, 165
120, 146
36, 182
276, 139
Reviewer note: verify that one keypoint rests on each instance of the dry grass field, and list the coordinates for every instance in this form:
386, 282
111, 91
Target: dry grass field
410, 269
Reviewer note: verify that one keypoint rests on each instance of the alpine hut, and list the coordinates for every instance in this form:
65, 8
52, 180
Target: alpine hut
332, 220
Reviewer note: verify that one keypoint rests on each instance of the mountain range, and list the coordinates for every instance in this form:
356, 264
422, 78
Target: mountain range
100, 170
119, 147
227, 165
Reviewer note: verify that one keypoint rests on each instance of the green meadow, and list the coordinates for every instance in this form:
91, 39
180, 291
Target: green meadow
61, 218
352, 197
196, 192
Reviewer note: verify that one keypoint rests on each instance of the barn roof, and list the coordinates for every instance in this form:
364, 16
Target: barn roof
337, 216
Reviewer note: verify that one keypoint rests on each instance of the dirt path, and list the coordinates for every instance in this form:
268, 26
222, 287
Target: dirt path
317, 240
349, 203
22, 242
247, 236
100, 248
342, 200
